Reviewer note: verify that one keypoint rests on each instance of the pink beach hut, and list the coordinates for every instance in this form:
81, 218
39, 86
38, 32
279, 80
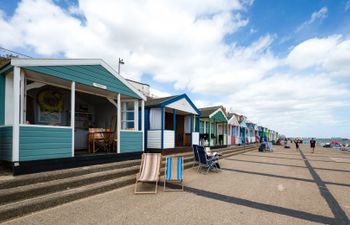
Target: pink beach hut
233, 129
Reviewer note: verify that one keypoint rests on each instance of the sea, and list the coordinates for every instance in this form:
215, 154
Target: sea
323, 141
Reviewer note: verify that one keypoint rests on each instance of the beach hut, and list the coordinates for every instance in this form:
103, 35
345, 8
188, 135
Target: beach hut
171, 122
233, 129
243, 130
65, 109
256, 131
213, 123
251, 132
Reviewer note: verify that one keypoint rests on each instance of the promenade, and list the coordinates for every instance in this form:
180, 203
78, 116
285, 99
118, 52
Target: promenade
281, 187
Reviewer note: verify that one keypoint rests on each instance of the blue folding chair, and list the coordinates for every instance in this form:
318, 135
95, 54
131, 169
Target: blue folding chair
206, 161
174, 172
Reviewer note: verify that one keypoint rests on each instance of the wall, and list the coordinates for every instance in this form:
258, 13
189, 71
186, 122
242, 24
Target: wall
195, 138
154, 139
40, 142
6, 143
169, 138
9, 99
130, 141
2, 99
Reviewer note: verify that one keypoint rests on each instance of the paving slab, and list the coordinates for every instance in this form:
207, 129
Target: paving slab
280, 187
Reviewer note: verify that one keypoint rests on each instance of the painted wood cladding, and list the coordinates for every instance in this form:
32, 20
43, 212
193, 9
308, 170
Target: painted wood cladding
130, 141
37, 143
86, 74
195, 138
154, 139
6, 143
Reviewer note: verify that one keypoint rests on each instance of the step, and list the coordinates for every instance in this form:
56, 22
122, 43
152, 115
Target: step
61, 174
27, 206
28, 199
33, 190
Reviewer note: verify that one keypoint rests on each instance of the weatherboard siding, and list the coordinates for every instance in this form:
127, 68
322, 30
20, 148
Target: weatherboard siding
219, 116
36, 143
86, 74
6, 143
130, 141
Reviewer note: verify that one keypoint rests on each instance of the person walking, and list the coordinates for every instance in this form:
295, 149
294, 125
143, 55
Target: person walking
313, 144
296, 141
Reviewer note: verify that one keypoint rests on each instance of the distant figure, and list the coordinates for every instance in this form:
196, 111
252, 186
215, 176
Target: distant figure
296, 141
313, 144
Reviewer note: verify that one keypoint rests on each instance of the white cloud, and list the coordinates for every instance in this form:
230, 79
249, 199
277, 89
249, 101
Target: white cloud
158, 94
315, 16
330, 54
183, 43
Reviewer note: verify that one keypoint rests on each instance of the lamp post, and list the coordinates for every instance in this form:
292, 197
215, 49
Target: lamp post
120, 61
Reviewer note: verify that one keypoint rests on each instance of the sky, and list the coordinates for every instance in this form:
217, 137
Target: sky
283, 64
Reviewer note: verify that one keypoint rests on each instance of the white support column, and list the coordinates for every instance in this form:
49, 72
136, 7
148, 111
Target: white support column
204, 127
22, 100
143, 124
16, 109
119, 118
136, 115
72, 115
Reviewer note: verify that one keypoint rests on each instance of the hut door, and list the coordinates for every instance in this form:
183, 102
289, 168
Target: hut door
179, 130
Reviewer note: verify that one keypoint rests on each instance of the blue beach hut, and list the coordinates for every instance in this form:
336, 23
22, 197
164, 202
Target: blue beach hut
171, 123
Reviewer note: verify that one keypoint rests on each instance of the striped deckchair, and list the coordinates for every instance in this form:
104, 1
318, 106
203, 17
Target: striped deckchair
173, 172
149, 171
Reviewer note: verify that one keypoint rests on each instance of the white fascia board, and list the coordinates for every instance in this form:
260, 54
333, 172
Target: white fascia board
231, 121
75, 62
219, 109
55, 62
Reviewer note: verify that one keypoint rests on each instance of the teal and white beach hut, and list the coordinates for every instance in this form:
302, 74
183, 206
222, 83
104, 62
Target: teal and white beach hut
47, 107
251, 132
213, 126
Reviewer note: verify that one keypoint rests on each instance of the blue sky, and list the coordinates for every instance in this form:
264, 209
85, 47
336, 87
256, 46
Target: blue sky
284, 64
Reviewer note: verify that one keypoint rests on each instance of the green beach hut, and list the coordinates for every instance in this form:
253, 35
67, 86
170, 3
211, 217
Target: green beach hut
213, 126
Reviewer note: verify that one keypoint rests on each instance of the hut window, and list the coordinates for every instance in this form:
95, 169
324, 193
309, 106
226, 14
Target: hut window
128, 116
201, 127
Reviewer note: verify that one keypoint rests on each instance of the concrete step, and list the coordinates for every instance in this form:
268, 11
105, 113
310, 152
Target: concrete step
23, 207
37, 189
31, 193
61, 174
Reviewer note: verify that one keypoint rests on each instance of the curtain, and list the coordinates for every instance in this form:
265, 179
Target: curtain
155, 119
188, 124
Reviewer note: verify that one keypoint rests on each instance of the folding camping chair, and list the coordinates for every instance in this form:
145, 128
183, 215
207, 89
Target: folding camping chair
173, 172
206, 161
149, 171
195, 156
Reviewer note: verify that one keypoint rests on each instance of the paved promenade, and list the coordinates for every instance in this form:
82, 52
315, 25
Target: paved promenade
281, 187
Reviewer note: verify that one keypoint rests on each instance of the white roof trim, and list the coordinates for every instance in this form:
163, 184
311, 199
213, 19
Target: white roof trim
72, 62
174, 105
233, 118
219, 109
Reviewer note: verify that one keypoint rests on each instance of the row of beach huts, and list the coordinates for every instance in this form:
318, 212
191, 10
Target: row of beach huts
49, 109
